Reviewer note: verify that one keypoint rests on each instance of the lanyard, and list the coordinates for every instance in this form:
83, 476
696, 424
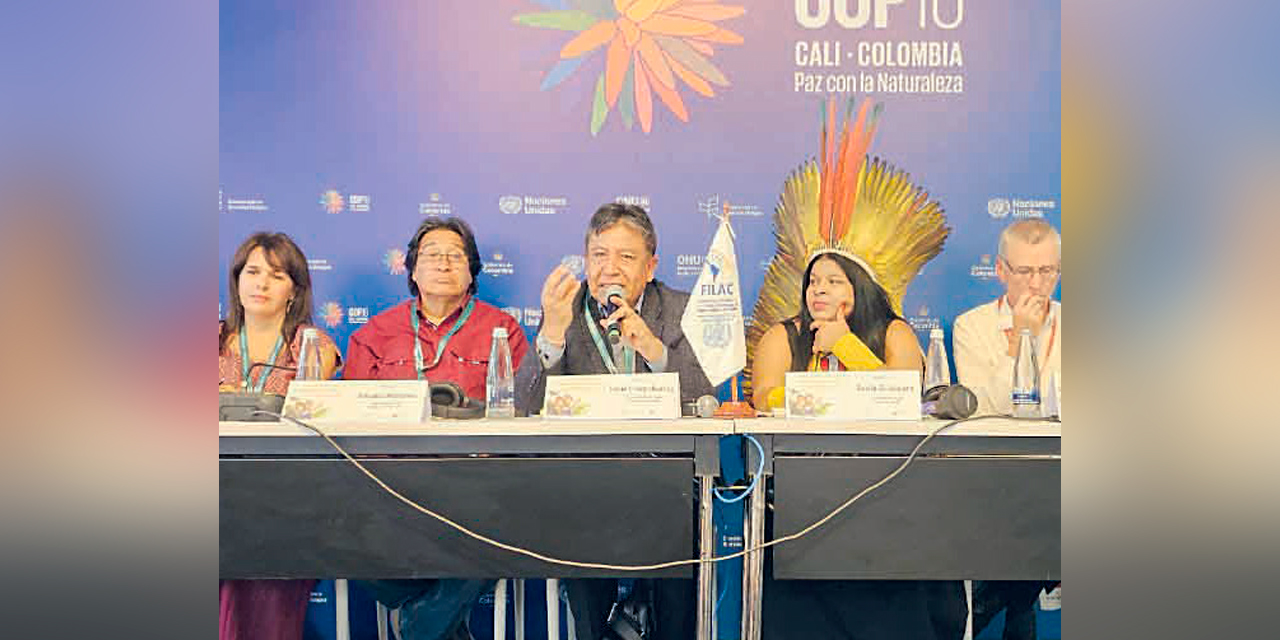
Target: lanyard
244, 363
418, 365
628, 354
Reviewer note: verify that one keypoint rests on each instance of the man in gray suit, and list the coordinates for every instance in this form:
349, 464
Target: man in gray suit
621, 256
621, 253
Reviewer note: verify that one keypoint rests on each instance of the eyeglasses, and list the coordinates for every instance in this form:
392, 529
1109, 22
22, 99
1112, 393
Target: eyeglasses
437, 257
1047, 271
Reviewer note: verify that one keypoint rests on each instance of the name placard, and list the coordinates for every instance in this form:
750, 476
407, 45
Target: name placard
613, 397
388, 401
853, 395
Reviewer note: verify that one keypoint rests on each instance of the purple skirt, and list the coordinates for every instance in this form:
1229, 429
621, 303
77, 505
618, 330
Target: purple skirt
266, 609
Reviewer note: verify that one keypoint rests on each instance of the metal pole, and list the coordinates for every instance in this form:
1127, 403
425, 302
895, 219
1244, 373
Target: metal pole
500, 610
519, 605
553, 609
753, 563
706, 570
343, 624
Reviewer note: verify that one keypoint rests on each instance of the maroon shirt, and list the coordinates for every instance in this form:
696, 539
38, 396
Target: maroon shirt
383, 348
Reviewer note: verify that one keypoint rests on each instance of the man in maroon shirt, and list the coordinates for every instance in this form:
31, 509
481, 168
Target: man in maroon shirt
454, 326
442, 334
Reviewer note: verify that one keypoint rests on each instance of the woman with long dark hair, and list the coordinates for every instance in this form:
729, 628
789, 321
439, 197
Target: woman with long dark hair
269, 301
847, 324
846, 314
269, 309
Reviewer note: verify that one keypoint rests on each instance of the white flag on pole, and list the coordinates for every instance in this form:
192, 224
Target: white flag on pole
712, 321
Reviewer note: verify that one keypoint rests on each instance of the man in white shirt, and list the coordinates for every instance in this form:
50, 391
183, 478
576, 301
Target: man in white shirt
985, 339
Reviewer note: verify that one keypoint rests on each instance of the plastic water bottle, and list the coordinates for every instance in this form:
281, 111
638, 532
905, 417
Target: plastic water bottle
309, 365
1026, 379
937, 372
500, 382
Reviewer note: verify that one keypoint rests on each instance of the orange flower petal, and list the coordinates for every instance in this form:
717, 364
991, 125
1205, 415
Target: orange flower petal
670, 25
690, 78
630, 31
615, 70
644, 99
621, 5
589, 40
701, 47
723, 36
671, 98
640, 10
708, 12
654, 60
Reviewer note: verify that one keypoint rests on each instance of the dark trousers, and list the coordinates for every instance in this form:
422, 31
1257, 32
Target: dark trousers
863, 609
674, 607
429, 609
1018, 600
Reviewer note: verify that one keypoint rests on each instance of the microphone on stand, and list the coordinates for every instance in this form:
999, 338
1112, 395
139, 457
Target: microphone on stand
268, 365
705, 406
244, 406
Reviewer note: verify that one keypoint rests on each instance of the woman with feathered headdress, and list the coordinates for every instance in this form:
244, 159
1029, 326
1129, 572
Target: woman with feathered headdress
851, 235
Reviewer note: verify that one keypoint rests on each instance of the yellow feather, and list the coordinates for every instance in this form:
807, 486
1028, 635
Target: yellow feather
893, 226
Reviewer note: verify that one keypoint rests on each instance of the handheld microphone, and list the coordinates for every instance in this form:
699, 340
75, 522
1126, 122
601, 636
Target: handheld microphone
612, 329
950, 402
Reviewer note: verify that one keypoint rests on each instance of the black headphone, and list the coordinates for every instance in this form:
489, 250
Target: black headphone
950, 402
449, 401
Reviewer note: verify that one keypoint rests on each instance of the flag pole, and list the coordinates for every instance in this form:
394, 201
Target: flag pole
735, 408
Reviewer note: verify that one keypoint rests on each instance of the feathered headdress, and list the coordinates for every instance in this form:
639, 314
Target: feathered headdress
868, 212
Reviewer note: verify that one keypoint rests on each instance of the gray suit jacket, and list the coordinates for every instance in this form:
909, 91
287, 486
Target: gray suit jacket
662, 310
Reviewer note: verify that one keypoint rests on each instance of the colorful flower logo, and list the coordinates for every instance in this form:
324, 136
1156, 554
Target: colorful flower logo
806, 405
648, 44
394, 261
305, 409
332, 201
332, 314
565, 404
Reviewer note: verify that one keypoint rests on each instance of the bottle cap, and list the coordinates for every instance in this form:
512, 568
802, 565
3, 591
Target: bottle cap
499, 332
